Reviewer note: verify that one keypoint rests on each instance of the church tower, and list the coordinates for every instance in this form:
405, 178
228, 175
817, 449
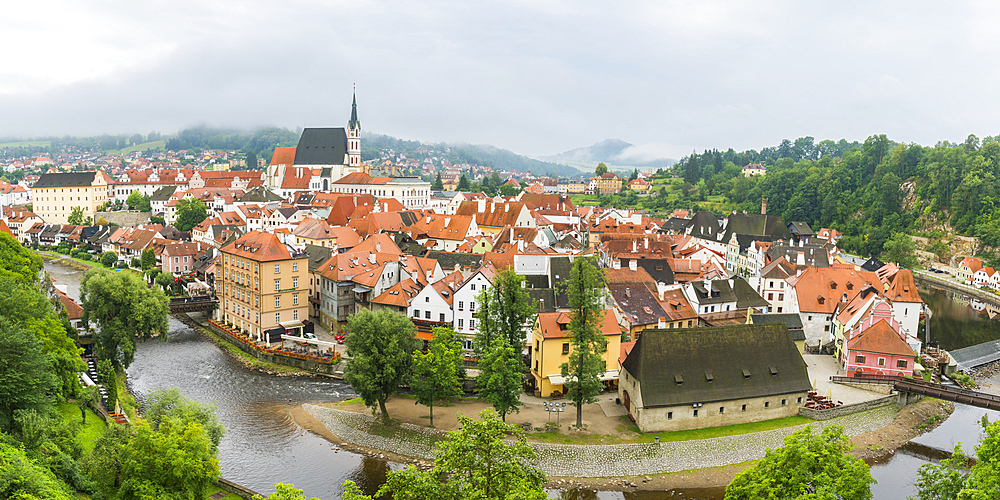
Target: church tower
354, 137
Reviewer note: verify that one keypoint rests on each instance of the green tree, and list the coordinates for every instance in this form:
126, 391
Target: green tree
109, 259
586, 364
477, 461
436, 372
165, 281
26, 379
943, 481
22, 478
145, 205
107, 375
634, 175
148, 259
438, 184
251, 161
75, 216
808, 466
501, 376
954, 478
463, 183
133, 200
601, 169
190, 213
163, 405
124, 310
284, 492
17, 262
901, 250
380, 351
87, 397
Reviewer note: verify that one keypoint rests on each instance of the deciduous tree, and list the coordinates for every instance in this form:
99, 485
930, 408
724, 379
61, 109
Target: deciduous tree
380, 348
601, 169
26, 379
109, 259
463, 183
583, 370
17, 262
501, 376
148, 259
190, 213
901, 250
436, 372
477, 461
123, 309
284, 492
808, 466
75, 216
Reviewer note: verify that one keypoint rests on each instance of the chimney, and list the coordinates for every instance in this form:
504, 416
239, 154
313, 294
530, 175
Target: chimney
633, 264
378, 246
506, 207
646, 243
662, 323
633, 246
763, 206
482, 204
371, 257
801, 243
801, 259
447, 221
660, 288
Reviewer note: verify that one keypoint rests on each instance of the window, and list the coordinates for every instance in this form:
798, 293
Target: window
696, 413
277, 269
473, 287
277, 285
427, 299
295, 314
565, 347
810, 318
256, 283
536, 365
767, 404
901, 363
277, 317
295, 267
799, 400
538, 344
826, 328
472, 305
461, 305
770, 296
295, 282
881, 361
461, 323
783, 402
416, 313
859, 359
744, 408
295, 299
472, 324
670, 415
277, 301
441, 317
427, 315
781, 296
722, 409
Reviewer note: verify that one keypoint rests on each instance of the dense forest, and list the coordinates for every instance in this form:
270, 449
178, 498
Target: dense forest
260, 142
867, 191
372, 146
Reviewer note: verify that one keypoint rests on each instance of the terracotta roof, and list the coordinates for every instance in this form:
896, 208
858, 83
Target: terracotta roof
378, 243
443, 227
283, 156
555, 325
493, 214
628, 276
447, 287
73, 310
676, 306
820, 289
5, 229
398, 295
880, 338
313, 229
296, 178
258, 246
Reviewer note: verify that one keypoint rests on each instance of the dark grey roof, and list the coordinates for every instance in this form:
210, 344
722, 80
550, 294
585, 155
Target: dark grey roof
800, 229
65, 179
449, 259
637, 303
260, 194
745, 240
658, 269
317, 255
50, 231
721, 292
304, 199
172, 233
545, 299
746, 296
321, 146
536, 281
872, 265
791, 321
406, 244
757, 224
354, 123
163, 194
409, 217
712, 363
704, 225
675, 225
559, 271
101, 236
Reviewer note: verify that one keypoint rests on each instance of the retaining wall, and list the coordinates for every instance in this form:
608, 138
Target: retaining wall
848, 409
125, 218
879, 388
236, 489
951, 285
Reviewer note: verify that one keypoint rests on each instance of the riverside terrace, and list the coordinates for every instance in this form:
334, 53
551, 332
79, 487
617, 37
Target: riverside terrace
316, 360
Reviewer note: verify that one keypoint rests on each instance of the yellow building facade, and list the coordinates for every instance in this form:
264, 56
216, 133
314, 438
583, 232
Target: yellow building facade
551, 347
55, 195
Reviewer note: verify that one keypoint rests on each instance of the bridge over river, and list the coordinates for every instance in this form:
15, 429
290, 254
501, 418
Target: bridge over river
204, 303
917, 386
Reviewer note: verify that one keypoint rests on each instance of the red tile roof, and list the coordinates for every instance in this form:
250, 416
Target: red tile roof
258, 246
555, 325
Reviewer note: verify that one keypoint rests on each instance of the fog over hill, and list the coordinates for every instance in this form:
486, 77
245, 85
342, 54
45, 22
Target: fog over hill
615, 153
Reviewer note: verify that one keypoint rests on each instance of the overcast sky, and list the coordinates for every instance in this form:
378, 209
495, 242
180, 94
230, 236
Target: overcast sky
535, 77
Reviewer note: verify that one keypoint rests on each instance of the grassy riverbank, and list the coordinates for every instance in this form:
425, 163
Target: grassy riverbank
244, 358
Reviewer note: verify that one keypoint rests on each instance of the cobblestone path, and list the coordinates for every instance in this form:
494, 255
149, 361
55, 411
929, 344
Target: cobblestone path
597, 460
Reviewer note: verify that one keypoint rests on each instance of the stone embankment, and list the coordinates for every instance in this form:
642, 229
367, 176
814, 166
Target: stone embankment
595, 460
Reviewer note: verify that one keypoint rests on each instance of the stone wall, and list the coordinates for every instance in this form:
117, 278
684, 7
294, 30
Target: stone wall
879, 388
926, 279
305, 364
848, 409
231, 487
126, 219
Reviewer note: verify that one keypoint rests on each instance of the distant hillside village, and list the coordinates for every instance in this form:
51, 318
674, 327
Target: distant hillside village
701, 308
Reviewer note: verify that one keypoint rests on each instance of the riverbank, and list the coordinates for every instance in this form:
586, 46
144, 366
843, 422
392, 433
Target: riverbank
705, 463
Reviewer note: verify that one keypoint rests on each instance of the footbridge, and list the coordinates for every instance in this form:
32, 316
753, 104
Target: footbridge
915, 386
205, 303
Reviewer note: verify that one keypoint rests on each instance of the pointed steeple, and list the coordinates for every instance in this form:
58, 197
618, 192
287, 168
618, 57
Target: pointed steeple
354, 124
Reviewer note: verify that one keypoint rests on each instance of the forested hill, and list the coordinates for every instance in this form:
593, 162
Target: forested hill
867, 191
261, 142
374, 146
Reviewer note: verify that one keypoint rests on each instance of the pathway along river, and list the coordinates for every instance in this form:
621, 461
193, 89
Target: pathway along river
263, 445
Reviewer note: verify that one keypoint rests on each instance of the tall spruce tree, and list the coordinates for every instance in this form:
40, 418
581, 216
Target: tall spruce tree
586, 364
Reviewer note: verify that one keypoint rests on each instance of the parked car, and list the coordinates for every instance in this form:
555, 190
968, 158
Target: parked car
339, 338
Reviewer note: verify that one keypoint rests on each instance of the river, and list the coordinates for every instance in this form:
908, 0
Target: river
263, 445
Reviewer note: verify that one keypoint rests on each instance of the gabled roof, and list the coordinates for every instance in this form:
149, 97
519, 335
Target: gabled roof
680, 366
317, 255
380, 243
398, 295
758, 225
260, 247
676, 306
746, 296
880, 338
637, 303
554, 325
448, 260
66, 179
321, 146
283, 156
493, 214
704, 225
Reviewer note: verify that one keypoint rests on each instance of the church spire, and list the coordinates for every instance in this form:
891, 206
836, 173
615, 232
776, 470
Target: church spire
354, 136
354, 124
